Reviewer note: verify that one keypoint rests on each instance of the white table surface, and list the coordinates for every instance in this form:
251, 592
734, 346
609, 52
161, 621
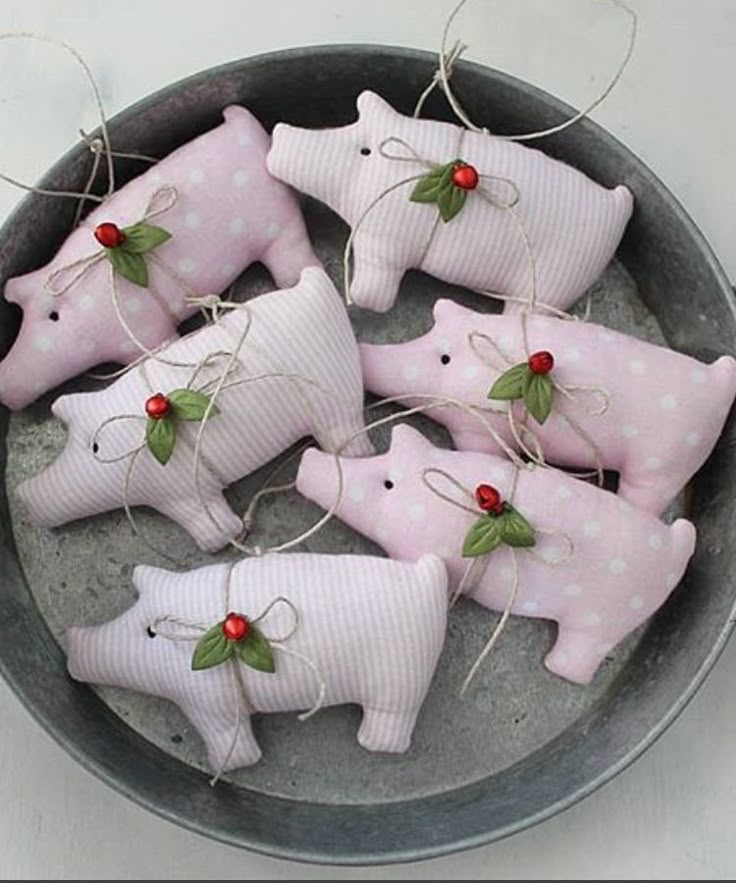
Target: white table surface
672, 815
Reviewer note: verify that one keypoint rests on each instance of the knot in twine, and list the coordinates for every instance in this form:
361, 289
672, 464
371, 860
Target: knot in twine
173, 628
447, 60
476, 567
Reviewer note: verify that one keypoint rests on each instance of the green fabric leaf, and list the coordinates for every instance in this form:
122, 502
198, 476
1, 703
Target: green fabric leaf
187, 404
255, 651
128, 265
538, 395
161, 438
483, 537
212, 649
510, 385
429, 187
515, 529
143, 237
451, 201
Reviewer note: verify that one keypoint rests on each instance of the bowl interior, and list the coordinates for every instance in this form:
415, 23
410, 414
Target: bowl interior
371, 809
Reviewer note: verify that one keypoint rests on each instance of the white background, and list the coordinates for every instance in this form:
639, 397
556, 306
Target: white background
672, 815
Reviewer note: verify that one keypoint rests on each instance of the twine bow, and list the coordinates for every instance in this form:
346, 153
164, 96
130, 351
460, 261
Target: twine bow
172, 628
476, 568
495, 200
525, 437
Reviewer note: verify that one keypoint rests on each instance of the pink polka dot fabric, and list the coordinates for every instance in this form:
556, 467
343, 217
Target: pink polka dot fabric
666, 410
573, 224
370, 629
229, 212
604, 571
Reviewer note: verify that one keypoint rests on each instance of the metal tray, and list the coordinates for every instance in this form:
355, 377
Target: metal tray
523, 744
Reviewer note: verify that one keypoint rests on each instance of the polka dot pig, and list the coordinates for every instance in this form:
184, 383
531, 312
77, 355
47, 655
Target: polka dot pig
597, 584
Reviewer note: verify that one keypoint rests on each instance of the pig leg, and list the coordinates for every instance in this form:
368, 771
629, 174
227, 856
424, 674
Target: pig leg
230, 741
288, 255
577, 653
375, 281
211, 528
387, 730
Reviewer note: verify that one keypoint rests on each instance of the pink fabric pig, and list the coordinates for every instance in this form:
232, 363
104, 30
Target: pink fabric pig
573, 224
302, 333
228, 213
621, 566
370, 629
665, 415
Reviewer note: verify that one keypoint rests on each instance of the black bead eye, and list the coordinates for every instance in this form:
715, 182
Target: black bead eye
388, 484
54, 316
445, 359
150, 632
365, 151
95, 448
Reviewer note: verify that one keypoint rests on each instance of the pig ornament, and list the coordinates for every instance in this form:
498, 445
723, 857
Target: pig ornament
228, 213
372, 628
573, 224
617, 567
666, 410
303, 332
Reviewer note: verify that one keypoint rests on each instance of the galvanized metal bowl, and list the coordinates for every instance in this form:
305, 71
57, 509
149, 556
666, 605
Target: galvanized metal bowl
680, 285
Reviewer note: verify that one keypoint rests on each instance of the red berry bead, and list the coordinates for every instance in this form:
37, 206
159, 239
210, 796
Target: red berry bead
109, 235
541, 363
235, 627
489, 499
157, 406
465, 177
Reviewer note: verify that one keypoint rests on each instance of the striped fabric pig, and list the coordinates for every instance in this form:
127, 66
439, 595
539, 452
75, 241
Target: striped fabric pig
366, 630
573, 224
297, 374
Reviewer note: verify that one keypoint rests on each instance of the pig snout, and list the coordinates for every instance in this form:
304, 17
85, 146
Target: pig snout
45, 499
19, 386
299, 157
380, 375
318, 478
90, 656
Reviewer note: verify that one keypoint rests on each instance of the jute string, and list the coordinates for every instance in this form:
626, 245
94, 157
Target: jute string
173, 628
448, 58
476, 568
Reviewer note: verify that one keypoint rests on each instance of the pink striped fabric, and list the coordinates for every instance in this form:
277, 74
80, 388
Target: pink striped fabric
374, 629
229, 212
301, 331
573, 224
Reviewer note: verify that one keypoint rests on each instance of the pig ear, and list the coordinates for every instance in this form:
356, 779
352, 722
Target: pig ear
405, 437
446, 310
236, 112
373, 107
147, 578
65, 407
16, 291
